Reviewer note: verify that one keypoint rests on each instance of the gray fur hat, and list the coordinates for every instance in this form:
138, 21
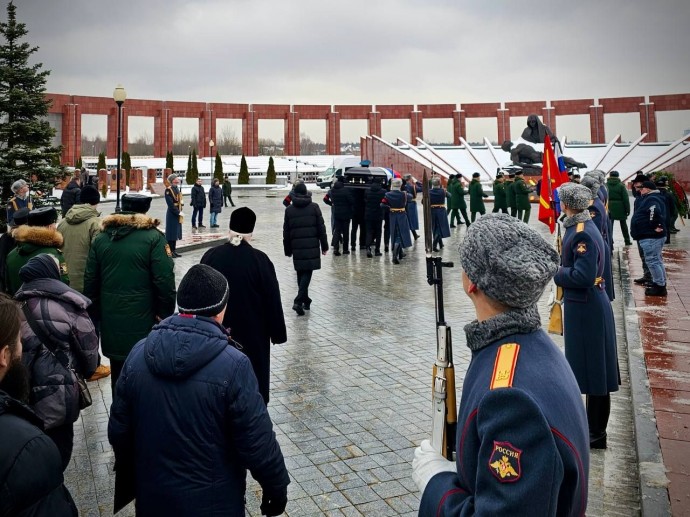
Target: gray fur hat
171, 177
575, 196
597, 174
508, 260
396, 183
593, 184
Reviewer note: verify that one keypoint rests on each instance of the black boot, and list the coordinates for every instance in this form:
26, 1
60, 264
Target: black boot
415, 235
598, 410
656, 290
369, 254
396, 253
643, 280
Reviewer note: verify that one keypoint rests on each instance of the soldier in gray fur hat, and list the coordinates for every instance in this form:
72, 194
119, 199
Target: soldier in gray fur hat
518, 390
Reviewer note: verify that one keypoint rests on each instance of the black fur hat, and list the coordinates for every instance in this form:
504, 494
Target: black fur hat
138, 203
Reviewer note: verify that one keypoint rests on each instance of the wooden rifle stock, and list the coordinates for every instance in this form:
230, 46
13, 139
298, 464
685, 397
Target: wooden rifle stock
444, 408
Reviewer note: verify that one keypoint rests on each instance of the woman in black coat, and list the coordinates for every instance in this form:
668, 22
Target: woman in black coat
304, 232
215, 198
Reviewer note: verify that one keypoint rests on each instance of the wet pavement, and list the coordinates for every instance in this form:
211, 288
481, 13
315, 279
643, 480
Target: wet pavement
350, 396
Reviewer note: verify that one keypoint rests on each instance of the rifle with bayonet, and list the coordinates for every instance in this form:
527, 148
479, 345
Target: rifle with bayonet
444, 410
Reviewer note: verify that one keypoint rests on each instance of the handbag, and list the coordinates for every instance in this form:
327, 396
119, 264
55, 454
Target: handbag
85, 399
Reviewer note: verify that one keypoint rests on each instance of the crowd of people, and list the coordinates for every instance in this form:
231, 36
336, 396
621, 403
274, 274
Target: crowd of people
108, 283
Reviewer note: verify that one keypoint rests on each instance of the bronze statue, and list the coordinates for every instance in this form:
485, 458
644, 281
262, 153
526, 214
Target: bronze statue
536, 131
529, 158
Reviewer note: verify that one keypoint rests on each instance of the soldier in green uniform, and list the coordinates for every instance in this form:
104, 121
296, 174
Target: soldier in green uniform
510, 194
500, 198
619, 203
477, 196
522, 191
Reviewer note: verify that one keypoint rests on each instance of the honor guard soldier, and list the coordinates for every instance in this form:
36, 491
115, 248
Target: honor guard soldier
589, 328
500, 197
439, 221
21, 199
522, 444
174, 215
477, 196
395, 202
600, 218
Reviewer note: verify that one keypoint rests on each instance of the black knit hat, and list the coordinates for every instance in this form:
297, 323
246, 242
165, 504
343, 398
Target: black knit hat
44, 216
89, 195
475, 174
242, 220
301, 189
138, 203
20, 217
203, 291
649, 184
614, 174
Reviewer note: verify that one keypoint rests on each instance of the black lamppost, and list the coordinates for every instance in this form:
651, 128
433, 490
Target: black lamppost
119, 96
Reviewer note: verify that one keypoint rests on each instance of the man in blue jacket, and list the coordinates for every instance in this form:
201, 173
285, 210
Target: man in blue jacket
188, 418
648, 227
522, 444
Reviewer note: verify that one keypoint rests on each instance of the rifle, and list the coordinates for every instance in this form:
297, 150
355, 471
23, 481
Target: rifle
444, 418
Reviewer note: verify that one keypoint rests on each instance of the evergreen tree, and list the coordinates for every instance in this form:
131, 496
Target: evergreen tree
26, 150
79, 164
169, 162
243, 178
126, 165
189, 178
195, 169
271, 172
218, 171
101, 161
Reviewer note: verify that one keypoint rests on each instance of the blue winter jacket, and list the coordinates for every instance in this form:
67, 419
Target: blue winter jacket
188, 420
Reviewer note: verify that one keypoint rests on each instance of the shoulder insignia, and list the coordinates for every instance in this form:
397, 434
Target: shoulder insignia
63, 268
582, 248
580, 227
168, 251
504, 366
504, 462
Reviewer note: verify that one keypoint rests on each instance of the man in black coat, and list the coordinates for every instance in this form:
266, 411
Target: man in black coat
305, 240
343, 208
31, 481
198, 202
70, 196
373, 217
255, 312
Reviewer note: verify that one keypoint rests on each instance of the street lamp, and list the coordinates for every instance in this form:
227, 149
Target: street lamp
211, 143
119, 96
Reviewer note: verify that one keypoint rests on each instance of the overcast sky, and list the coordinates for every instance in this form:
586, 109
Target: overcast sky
365, 52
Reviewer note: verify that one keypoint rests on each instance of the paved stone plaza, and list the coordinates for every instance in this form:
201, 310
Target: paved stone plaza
350, 390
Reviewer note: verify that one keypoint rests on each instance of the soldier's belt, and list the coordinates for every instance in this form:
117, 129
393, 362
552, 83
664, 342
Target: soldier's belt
438, 206
598, 281
397, 209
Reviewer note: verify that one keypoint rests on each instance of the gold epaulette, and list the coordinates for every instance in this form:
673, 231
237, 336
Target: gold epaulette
504, 367
397, 209
580, 227
438, 206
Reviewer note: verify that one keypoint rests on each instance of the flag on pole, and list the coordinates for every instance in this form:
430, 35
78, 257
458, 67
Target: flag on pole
563, 170
550, 179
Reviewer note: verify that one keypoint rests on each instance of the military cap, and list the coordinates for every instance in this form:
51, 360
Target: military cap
575, 196
138, 203
20, 217
44, 216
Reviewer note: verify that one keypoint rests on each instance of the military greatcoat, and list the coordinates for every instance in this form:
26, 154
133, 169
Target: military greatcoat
439, 218
395, 202
589, 328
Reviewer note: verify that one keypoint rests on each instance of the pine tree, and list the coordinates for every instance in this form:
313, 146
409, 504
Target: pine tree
189, 176
195, 169
218, 171
79, 164
169, 161
26, 150
243, 178
271, 172
101, 161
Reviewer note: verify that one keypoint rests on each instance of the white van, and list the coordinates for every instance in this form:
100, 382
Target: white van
325, 179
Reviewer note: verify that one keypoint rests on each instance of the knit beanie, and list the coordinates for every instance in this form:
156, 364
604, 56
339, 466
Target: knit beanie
300, 188
40, 266
89, 195
507, 260
203, 291
575, 196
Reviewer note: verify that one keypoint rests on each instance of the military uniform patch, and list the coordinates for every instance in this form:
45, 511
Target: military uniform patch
63, 268
582, 248
504, 462
168, 251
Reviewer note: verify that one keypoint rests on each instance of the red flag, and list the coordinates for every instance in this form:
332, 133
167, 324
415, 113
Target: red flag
549, 171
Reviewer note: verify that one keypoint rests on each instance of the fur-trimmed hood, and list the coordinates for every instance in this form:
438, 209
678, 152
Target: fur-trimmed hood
120, 225
40, 236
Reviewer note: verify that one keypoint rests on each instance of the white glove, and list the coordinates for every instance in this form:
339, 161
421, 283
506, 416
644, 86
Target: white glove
181, 213
427, 463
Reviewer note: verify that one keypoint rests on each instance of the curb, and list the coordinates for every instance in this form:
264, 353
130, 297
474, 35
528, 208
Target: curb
202, 244
654, 498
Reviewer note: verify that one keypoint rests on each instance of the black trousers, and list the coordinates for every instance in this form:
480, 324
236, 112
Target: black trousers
386, 230
357, 224
341, 232
115, 370
226, 198
303, 281
173, 245
598, 411
374, 234
497, 209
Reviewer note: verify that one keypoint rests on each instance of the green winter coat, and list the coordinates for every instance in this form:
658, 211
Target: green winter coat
32, 241
500, 199
477, 197
521, 191
619, 200
449, 186
130, 279
510, 194
79, 228
457, 196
